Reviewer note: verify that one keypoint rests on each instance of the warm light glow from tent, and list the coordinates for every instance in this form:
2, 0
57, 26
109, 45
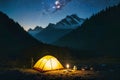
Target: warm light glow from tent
67, 66
48, 63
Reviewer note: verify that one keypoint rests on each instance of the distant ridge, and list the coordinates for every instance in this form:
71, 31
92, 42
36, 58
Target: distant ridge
34, 31
55, 31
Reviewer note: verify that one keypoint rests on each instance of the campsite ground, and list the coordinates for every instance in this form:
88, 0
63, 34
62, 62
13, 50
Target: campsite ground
111, 73
88, 69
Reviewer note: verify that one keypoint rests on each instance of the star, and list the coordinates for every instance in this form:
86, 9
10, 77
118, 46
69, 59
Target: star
57, 2
57, 5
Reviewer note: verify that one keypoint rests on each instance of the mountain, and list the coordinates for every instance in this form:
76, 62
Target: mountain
100, 34
70, 22
55, 31
17, 47
34, 31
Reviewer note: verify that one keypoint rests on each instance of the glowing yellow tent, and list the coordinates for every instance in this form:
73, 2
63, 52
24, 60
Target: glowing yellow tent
47, 63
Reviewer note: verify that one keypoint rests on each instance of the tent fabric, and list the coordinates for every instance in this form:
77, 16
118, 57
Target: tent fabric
47, 63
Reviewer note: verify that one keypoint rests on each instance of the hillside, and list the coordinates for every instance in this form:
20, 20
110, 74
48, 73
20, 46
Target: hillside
13, 36
99, 33
17, 47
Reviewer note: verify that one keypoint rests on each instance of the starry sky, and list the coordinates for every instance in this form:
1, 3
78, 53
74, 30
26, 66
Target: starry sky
32, 13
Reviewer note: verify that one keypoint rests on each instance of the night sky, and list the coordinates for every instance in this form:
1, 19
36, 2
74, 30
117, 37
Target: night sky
30, 13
